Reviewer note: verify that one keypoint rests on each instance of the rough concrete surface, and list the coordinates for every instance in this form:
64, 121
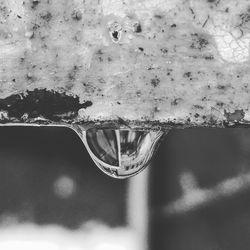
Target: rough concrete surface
167, 63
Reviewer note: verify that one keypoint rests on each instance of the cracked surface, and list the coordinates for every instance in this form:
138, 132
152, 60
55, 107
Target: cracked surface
156, 63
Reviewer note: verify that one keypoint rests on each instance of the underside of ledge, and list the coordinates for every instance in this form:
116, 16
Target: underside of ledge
148, 64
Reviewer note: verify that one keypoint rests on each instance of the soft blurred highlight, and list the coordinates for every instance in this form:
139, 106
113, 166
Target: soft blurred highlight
92, 236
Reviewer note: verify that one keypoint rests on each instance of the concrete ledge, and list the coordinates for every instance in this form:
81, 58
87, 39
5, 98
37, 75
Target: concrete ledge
167, 63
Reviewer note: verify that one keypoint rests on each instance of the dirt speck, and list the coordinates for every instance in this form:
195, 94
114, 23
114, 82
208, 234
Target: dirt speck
155, 81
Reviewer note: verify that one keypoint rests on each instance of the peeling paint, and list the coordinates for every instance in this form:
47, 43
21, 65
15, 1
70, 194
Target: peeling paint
42, 103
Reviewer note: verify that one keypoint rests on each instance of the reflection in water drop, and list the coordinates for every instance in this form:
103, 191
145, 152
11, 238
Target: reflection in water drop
121, 153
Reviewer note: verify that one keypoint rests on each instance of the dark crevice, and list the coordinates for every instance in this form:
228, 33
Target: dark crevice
41, 102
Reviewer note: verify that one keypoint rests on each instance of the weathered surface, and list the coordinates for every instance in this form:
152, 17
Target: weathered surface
143, 63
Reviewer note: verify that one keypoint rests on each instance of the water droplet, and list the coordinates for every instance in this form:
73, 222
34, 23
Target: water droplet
121, 153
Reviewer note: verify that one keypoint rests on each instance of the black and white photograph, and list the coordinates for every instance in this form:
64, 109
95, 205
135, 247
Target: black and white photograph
124, 124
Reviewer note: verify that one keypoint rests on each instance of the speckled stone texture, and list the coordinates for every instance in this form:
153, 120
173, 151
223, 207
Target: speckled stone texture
167, 63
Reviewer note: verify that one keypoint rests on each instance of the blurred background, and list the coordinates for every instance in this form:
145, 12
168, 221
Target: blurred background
195, 195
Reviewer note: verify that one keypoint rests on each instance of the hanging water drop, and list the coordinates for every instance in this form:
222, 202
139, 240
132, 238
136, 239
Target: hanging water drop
121, 153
